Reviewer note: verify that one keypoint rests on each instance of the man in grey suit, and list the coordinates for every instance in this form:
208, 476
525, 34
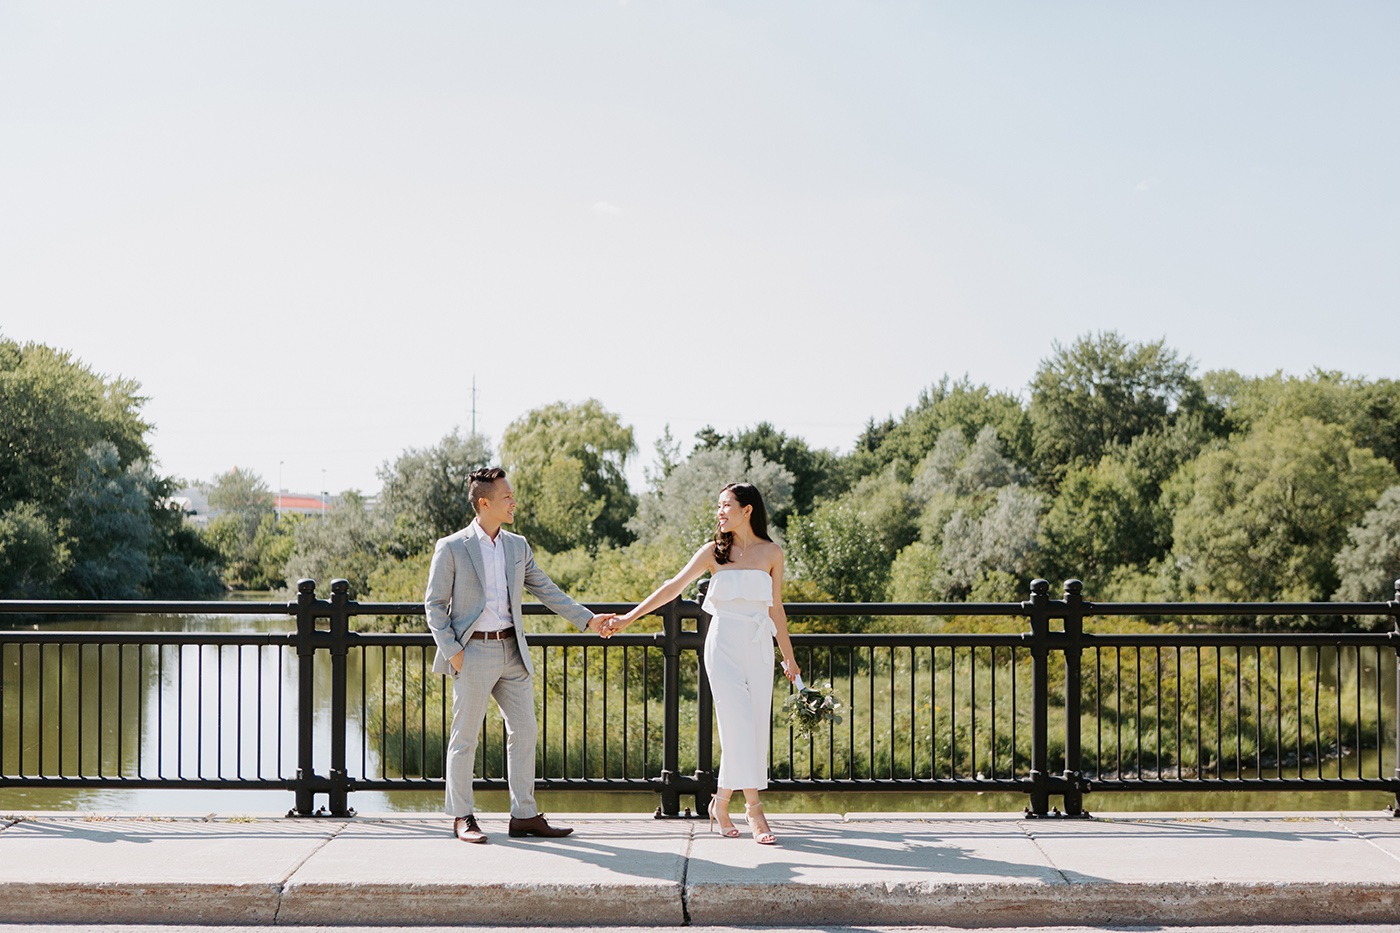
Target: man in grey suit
473, 605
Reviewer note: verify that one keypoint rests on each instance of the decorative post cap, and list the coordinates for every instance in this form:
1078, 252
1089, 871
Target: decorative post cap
1074, 587
340, 586
1040, 587
307, 587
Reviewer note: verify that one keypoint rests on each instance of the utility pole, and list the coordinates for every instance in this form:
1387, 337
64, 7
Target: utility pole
473, 404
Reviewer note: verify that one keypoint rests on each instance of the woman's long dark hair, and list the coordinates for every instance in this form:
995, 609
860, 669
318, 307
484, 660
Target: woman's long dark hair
747, 494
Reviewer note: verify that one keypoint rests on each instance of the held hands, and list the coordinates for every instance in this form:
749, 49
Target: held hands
614, 625
600, 621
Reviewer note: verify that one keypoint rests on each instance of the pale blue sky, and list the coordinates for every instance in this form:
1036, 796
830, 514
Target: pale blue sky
304, 227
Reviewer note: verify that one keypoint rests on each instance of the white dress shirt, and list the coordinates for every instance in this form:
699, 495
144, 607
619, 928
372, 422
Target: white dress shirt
496, 615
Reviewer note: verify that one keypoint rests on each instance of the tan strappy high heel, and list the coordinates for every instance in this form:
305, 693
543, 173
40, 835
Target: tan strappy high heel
758, 823
715, 801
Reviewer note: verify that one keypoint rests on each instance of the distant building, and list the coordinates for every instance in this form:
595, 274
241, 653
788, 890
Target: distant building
301, 503
194, 503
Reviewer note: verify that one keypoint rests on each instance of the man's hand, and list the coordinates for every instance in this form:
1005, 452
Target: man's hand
598, 623
456, 661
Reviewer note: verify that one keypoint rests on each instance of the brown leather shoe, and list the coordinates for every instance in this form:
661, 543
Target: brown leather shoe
465, 829
536, 826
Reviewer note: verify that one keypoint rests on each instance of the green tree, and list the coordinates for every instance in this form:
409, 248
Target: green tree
944, 406
917, 575
1100, 521
1102, 391
1110, 520
1369, 410
682, 510
988, 556
33, 554
838, 550
244, 494
426, 492
813, 473
956, 476
53, 411
977, 523
566, 463
273, 545
183, 565
241, 502
68, 437
1368, 564
1263, 517
343, 543
109, 507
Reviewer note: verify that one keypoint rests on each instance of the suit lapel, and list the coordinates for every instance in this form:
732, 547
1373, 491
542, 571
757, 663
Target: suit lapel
473, 547
508, 559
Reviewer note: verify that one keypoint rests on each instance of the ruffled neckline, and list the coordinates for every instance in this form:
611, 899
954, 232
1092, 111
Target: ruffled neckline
746, 584
742, 570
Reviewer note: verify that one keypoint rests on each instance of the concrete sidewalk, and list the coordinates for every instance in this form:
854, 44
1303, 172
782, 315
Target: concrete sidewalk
620, 870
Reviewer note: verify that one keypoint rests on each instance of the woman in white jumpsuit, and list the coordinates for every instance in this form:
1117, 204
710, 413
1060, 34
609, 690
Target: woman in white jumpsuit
746, 606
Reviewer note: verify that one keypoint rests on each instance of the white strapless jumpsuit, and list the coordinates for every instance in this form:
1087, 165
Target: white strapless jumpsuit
739, 664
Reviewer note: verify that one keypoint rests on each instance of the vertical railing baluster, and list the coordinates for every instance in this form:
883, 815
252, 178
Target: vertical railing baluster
671, 723
160, 710
1259, 710
306, 676
972, 721
1395, 750
952, 712
18, 751
851, 713
423, 674
892, 713
564, 713
340, 611
1239, 711
913, 712
1176, 753
583, 726
198, 710
1298, 694
1074, 697
1038, 608
1157, 708
604, 772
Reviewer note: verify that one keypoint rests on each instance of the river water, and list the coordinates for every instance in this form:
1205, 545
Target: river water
270, 671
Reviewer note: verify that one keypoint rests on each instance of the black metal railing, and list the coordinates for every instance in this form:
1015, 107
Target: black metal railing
1045, 711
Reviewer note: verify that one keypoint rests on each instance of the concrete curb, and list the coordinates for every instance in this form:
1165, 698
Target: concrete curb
522, 904
407, 870
117, 902
1013, 905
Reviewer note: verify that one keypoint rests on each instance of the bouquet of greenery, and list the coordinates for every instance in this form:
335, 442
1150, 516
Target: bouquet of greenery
808, 707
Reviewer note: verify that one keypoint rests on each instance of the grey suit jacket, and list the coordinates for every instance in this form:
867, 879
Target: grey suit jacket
455, 597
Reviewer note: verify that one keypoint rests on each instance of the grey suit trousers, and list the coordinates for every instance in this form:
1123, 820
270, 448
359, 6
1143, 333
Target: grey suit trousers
492, 668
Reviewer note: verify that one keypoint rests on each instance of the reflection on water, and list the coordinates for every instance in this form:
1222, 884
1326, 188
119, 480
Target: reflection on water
171, 711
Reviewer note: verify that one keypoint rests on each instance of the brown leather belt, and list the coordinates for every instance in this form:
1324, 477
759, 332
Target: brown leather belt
495, 636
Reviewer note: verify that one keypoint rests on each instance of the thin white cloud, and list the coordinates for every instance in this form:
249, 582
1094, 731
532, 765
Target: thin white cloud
1147, 184
606, 209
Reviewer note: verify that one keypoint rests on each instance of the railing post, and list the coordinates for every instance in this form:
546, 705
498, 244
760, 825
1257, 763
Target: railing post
339, 639
1395, 637
1038, 608
306, 710
705, 779
671, 710
1074, 697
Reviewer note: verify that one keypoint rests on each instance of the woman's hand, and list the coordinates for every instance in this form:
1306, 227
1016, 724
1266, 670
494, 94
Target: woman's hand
791, 669
615, 625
